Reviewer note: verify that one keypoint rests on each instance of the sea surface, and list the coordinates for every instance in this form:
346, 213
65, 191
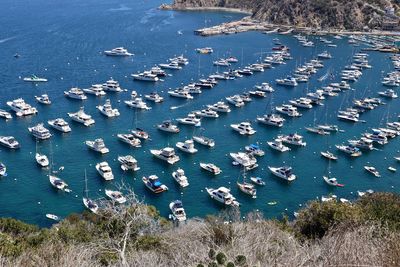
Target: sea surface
63, 41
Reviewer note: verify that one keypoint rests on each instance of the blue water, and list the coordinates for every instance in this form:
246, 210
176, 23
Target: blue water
63, 40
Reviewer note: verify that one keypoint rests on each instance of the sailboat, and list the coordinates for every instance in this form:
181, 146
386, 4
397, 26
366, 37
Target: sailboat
87, 202
315, 129
138, 132
55, 181
246, 187
332, 181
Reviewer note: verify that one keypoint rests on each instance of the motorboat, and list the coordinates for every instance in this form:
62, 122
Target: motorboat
389, 93
235, 100
154, 97
43, 99
146, 76
244, 128
302, 102
115, 196
222, 195
167, 154
245, 71
171, 66
362, 143
3, 170
107, 109
153, 183
221, 62
257, 93
372, 170
271, 119
81, 117
349, 149
128, 163
292, 139
232, 59
204, 50
278, 145
180, 177
220, 107
98, 146
211, 168
325, 55
328, 127
180, 94
21, 108
167, 126
248, 161
316, 130
158, 71
187, 146
204, 140
348, 116
178, 212
138, 103
265, 87
246, 97
190, 120
58, 183
288, 81
332, 181
328, 155
105, 171
75, 93
207, 113
40, 132
247, 188
112, 86
35, 79
377, 136
9, 142
4, 114
257, 181
130, 139
118, 52
141, 134
288, 110
181, 60
284, 172
53, 217
42, 160
96, 90
255, 150
392, 169
60, 125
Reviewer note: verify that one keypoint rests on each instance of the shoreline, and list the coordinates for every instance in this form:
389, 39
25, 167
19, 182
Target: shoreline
211, 9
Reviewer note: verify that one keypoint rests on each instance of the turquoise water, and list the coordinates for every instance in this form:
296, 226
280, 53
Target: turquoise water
62, 41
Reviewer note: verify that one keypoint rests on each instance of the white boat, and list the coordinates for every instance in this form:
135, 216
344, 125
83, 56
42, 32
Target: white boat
235, 100
4, 114
392, 169
158, 71
107, 109
42, 160
167, 126
284, 172
316, 130
204, 140
222, 195
288, 110
138, 103
60, 125
98, 146
3, 170
244, 128
331, 181
178, 212
118, 52
130, 139
190, 120
128, 163
112, 86
21, 108
153, 183
81, 117
180, 94
265, 87
95, 89
248, 161
220, 107
52, 217
288, 81
167, 154
105, 171
257, 181
372, 170
187, 146
207, 113
211, 168
34, 79
277, 145
181, 60
255, 150
141, 134
362, 143
180, 177
146, 76
328, 127
325, 55
292, 139
271, 119
115, 196
204, 50
171, 65
302, 102
9, 141
43, 99
58, 183
40, 132
349, 149
328, 155
154, 97
75, 93
389, 93
221, 63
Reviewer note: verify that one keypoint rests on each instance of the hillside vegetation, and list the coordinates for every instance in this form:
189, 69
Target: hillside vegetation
338, 14
366, 233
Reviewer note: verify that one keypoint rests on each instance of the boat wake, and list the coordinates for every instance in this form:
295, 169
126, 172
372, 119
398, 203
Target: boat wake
176, 107
325, 76
7, 39
120, 8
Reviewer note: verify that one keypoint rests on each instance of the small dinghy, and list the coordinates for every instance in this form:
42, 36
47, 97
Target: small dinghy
332, 181
257, 180
52, 217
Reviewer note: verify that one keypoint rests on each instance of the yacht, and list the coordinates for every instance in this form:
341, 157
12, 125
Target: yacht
180, 94
129, 139
115, 196
349, 149
265, 87
348, 116
316, 130
192, 89
180, 178
9, 141
154, 97
167, 154
118, 52
21, 108
178, 212
362, 143
81, 117
171, 66
223, 195
288, 81
187, 146
43, 99
221, 63
377, 136
257, 93
389, 93
288, 110
328, 155
158, 71
284, 172
204, 50
6, 115
232, 59
204, 141
332, 181
40, 132
255, 150
3, 170
278, 145
257, 181
220, 107
245, 71
328, 127
181, 60
247, 188
244, 128
153, 183
211, 168
112, 86
292, 139
271, 119
302, 102
325, 55
42, 160
107, 109
98, 146
138, 103
208, 113
35, 79
248, 161
59, 184
146, 76
235, 100
372, 170
105, 171
95, 89
167, 126
190, 120
128, 163
60, 125
140, 133
75, 93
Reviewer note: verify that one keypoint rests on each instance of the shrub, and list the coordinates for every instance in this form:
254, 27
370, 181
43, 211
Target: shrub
240, 260
230, 264
221, 258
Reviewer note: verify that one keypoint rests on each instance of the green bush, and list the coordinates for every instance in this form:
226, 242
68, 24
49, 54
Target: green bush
230, 264
211, 253
240, 260
221, 258
213, 264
